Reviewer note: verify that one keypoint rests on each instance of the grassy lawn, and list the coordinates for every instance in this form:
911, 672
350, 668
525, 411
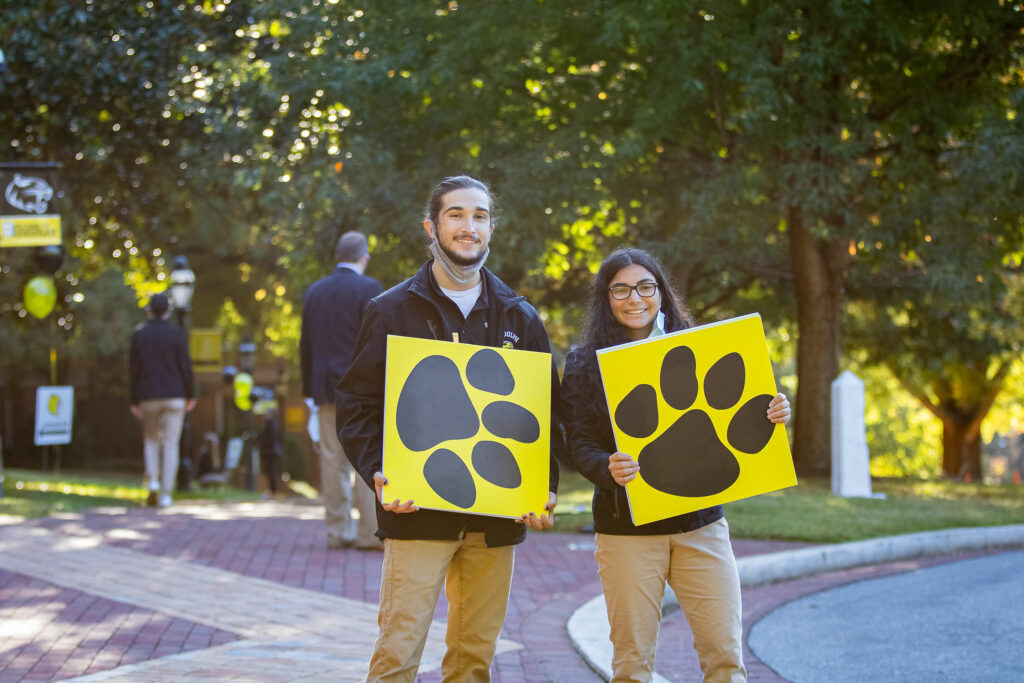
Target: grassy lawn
28, 493
808, 512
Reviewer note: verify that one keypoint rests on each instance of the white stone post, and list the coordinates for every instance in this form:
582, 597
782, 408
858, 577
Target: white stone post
851, 474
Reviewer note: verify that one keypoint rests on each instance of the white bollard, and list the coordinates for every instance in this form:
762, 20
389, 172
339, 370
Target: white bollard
851, 473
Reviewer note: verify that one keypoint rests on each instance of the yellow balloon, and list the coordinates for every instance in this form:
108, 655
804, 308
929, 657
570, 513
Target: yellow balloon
243, 390
40, 296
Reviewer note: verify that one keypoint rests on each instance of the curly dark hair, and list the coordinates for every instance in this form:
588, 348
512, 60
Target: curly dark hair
600, 329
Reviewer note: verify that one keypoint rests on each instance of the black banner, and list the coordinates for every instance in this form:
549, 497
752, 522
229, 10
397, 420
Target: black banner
29, 214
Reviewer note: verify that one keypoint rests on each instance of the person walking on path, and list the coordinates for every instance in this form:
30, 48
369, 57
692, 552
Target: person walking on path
162, 390
630, 300
271, 452
452, 297
331, 317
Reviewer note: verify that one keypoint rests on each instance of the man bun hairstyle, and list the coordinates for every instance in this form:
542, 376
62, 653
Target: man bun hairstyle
450, 184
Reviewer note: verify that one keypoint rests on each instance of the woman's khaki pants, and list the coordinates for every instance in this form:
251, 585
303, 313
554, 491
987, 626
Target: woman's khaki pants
701, 569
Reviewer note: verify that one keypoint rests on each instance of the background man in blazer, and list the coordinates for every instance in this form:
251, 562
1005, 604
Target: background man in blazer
331, 316
162, 391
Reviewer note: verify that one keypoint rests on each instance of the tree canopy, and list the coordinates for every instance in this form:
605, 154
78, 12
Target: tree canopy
804, 160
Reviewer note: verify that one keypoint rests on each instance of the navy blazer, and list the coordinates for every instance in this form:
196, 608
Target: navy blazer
331, 317
159, 365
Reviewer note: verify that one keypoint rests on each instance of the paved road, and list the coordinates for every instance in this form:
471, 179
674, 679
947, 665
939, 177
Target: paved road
962, 621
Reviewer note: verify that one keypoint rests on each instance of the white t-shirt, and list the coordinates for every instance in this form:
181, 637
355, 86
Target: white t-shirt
465, 299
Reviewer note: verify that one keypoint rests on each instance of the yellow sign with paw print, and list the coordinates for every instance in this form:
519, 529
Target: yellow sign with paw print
691, 408
467, 428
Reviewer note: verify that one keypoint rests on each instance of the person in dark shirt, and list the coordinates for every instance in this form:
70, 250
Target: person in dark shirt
331, 315
162, 391
271, 450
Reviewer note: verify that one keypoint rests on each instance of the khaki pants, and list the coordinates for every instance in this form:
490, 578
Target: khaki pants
336, 474
162, 419
477, 581
701, 569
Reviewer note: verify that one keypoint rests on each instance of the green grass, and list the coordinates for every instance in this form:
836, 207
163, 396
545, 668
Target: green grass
808, 512
29, 493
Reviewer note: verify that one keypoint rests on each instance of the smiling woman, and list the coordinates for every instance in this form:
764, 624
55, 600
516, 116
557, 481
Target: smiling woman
631, 300
635, 301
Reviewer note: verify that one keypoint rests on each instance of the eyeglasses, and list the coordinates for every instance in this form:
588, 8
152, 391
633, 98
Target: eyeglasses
644, 289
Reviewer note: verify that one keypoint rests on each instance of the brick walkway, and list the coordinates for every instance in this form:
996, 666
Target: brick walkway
250, 592
242, 591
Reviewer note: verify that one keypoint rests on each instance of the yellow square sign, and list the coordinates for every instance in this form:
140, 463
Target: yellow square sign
690, 407
466, 427
204, 346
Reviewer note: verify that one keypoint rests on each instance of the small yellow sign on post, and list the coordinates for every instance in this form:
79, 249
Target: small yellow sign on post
690, 407
467, 428
204, 345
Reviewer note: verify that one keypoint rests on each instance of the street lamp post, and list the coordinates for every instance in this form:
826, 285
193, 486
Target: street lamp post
183, 285
247, 361
181, 289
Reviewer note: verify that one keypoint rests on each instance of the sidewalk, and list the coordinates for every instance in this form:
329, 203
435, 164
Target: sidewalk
242, 592
251, 592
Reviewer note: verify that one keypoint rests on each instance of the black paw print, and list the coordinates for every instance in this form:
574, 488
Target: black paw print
689, 459
434, 407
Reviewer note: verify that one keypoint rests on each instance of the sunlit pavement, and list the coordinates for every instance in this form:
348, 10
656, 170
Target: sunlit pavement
251, 592
246, 591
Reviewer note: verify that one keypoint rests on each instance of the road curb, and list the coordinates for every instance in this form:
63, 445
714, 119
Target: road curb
758, 570
588, 626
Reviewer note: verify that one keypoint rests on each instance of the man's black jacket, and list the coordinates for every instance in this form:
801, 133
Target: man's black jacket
159, 365
418, 308
331, 316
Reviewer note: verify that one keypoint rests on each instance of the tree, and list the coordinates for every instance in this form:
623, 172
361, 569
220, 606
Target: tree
754, 147
135, 100
946, 297
760, 128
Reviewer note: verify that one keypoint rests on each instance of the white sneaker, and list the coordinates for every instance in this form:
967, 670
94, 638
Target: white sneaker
165, 500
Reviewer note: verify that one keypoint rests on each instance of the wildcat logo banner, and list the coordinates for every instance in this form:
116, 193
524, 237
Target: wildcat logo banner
690, 407
467, 428
29, 216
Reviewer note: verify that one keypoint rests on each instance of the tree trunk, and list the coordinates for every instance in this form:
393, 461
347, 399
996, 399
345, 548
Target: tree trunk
818, 274
961, 449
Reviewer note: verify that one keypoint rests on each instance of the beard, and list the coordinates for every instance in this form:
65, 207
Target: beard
458, 259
